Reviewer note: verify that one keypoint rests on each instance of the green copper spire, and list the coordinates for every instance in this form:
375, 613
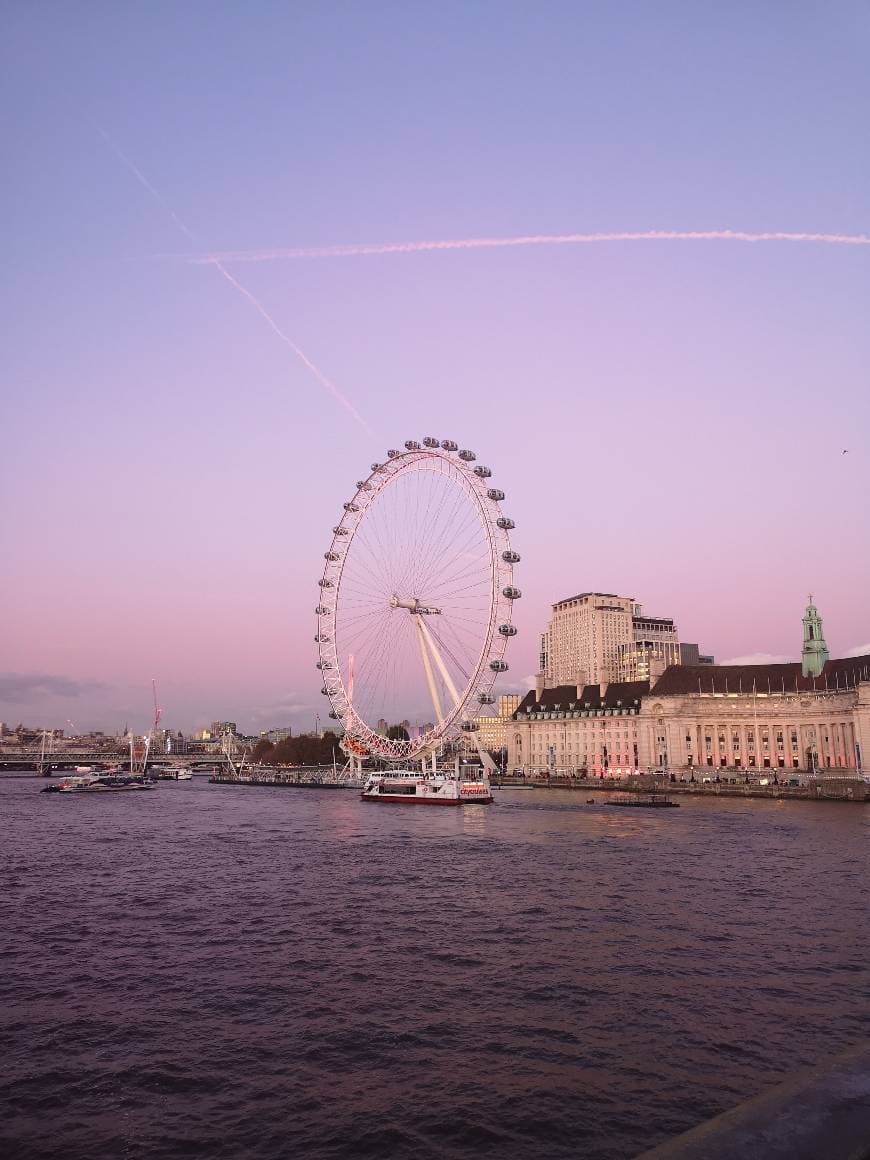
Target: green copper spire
815, 651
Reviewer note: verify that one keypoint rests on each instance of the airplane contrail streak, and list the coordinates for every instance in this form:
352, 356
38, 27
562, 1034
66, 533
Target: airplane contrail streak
215, 261
326, 383
367, 248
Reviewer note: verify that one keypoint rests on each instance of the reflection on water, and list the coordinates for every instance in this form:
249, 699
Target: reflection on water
224, 972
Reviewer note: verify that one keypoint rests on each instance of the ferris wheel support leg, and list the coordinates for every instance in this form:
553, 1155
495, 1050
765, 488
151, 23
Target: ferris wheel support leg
485, 760
442, 668
430, 680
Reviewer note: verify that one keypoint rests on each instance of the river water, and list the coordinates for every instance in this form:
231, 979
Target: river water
219, 971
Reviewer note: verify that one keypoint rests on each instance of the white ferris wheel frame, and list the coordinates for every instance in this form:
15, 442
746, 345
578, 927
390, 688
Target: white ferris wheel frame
360, 738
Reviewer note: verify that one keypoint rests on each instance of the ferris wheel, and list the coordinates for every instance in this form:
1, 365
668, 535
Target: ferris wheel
415, 609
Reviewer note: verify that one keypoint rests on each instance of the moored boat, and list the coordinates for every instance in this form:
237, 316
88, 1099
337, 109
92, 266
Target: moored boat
652, 801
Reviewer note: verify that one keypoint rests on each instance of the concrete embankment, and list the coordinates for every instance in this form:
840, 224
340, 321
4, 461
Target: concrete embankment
822, 789
822, 1113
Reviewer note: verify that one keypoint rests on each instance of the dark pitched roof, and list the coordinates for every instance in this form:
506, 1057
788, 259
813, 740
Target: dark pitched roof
620, 695
843, 673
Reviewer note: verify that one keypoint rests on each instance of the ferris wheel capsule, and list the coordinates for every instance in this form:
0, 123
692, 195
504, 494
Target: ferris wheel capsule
412, 445
469, 726
505, 524
468, 456
495, 493
391, 454
449, 445
482, 472
511, 593
430, 442
507, 629
511, 557
486, 698
499, 666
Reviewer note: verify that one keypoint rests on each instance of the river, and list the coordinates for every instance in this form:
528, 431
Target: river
219, 971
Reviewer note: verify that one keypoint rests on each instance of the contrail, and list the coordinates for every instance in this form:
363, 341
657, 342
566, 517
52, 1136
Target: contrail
318, 374
215, 261
366, 248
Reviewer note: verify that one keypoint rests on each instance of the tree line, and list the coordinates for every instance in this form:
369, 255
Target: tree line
306, 749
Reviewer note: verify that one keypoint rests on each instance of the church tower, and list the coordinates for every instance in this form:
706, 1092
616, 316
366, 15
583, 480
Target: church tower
815, 651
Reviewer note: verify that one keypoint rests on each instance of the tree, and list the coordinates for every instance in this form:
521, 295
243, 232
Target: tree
398, 733
306, 749
263, 751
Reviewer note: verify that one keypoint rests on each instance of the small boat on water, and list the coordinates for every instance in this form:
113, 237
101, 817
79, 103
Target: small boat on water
414, 787
172, 773
98, 783
650, 801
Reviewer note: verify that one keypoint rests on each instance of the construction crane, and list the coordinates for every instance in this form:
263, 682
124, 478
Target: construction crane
158, 712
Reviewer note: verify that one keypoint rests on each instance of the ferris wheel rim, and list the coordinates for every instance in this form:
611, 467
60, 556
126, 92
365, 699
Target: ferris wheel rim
457, 465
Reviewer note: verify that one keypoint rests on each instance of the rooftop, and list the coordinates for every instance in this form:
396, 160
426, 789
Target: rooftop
621, 695
782, 678
581, 595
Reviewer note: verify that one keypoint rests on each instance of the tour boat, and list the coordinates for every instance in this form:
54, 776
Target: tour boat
424, 789
68, 784
173, 773
105, 783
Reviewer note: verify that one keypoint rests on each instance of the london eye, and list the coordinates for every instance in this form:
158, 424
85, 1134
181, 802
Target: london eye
415, 604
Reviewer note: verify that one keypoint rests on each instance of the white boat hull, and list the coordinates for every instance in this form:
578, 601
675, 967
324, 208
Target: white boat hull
404, 787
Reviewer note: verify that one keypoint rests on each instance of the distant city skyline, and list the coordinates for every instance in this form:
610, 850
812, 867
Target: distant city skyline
680, 416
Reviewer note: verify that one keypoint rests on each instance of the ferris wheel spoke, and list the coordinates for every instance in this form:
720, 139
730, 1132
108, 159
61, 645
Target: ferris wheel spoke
469, 644
438, 534
426, 534
375, 561
444, 570
448, 583
361, 639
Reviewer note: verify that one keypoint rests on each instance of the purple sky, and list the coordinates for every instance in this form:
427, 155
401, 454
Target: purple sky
667, 418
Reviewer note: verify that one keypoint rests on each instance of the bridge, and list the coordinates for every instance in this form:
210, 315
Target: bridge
28, 757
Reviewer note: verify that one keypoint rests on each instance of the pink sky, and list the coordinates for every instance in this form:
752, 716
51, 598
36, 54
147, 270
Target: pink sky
667, 417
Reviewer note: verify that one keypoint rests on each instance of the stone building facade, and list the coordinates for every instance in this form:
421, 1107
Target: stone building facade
701, 719
492, 731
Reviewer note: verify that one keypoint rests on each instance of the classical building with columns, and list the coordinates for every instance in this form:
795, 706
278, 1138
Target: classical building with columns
807, 717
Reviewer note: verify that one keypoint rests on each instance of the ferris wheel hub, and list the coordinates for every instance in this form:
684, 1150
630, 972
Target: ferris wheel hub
414, 606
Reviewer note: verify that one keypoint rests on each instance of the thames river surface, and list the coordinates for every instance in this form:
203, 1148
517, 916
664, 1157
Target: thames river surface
217, 971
